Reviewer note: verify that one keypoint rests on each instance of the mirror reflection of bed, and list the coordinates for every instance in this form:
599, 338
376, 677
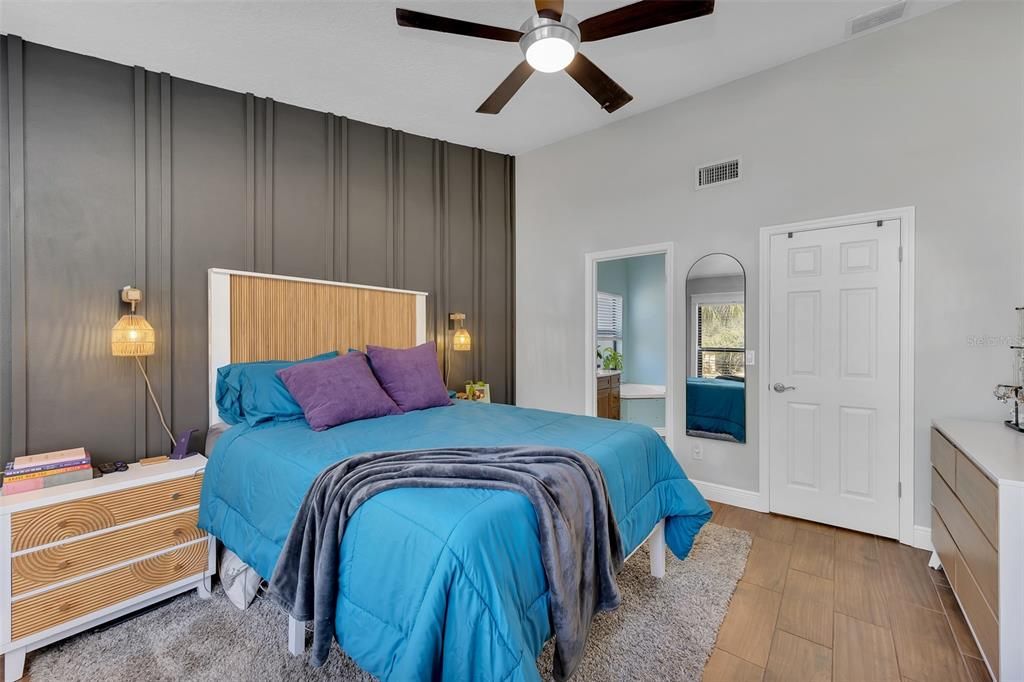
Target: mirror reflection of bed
716, 369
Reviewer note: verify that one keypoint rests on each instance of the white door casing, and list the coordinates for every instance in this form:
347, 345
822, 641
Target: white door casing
834, 342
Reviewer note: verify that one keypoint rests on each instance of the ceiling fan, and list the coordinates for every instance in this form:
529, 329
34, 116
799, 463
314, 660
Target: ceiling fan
551, 39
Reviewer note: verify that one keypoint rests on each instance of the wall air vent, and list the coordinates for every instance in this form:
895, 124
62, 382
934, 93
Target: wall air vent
875, 18
718, 173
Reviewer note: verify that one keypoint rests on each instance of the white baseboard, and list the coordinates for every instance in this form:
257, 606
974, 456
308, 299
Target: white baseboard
923, 538
737, 497
749, 499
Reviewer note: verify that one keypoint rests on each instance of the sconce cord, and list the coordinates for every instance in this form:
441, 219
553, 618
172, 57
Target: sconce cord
149, 387
447, 360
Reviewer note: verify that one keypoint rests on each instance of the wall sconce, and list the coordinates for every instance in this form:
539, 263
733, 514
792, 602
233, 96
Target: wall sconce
134, 337
461, 340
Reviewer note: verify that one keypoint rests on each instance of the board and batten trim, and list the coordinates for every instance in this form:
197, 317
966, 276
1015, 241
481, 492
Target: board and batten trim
200, 164
16, 244
5, 257
166, 317
139, 133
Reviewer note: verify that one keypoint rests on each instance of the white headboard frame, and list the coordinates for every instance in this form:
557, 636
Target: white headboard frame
219, 320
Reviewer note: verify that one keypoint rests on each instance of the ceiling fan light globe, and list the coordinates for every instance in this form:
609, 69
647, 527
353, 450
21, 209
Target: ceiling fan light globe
549, 55
550, 45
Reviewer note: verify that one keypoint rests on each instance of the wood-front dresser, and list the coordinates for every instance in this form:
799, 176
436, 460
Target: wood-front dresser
978, 533
74, 556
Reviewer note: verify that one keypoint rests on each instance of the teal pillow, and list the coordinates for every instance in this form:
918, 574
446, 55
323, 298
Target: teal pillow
252, 392
229, 392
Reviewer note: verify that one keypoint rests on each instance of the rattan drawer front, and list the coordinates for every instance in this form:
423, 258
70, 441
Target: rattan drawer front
980, 496
976, 551
70, 519
48, 609
47, 566
943, 457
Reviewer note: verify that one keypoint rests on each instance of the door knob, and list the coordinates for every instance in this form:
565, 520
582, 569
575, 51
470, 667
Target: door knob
780, 387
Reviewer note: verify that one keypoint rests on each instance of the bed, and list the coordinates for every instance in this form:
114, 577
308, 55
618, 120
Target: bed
716, 406
434, 583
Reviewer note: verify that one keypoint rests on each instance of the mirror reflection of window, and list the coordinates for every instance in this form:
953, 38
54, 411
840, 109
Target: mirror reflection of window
719, 335
716, 349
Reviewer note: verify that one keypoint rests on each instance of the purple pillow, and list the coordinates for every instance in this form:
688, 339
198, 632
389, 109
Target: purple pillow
337, 391
410, 375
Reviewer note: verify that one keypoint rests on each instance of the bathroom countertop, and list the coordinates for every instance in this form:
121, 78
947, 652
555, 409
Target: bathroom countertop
641, 391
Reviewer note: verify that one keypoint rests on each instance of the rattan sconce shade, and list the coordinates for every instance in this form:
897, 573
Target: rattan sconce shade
461, 340
132, 336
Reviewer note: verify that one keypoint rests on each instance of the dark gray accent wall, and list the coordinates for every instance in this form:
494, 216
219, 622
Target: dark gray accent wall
113, 175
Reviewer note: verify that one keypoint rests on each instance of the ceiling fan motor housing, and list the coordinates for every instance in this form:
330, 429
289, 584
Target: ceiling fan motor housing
538, 28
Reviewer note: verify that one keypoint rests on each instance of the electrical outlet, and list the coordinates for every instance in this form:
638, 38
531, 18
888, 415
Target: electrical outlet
698, 452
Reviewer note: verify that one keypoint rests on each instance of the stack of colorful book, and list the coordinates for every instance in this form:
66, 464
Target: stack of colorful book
34, 472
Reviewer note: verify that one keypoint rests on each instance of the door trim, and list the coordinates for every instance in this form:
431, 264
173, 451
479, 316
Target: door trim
590, 335
906, 402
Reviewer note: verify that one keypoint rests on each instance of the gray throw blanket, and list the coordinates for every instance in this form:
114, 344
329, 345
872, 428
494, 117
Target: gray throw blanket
581, 550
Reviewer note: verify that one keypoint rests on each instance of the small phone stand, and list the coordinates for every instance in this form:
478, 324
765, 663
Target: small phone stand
181, 445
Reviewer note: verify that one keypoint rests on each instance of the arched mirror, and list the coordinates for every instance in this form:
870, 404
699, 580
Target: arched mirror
716, 345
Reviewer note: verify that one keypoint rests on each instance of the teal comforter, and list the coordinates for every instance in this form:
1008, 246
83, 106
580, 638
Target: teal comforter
716, 406
439, 584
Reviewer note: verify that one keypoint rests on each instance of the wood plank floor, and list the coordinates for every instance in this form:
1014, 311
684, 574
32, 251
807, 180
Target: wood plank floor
818, 603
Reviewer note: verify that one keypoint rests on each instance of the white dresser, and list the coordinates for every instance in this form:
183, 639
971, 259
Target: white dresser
978, 533
77, 555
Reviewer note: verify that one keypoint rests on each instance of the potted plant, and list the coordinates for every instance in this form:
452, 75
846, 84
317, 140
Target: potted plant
478, 390
611, 359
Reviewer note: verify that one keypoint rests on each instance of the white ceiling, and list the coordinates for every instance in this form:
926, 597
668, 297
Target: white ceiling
351, 58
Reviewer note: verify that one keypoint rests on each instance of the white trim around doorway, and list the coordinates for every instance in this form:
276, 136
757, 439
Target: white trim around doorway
908, 534
589, 335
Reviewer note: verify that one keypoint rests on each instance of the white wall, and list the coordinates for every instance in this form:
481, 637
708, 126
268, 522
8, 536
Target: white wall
640, 280
926, 113
645, 320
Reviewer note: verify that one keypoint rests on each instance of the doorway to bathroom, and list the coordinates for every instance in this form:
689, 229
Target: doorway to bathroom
629, 329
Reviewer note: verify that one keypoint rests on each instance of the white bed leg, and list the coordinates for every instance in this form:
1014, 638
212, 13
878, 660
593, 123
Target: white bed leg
656, 546
934, 562
296, 636
14, 664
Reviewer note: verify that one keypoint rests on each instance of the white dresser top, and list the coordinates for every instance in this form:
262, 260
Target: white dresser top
996, 449
137, 474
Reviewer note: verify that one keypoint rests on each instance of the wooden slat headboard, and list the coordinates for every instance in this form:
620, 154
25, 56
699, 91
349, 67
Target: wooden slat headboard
254, 317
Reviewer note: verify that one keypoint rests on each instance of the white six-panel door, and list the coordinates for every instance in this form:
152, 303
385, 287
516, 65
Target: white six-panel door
834, 362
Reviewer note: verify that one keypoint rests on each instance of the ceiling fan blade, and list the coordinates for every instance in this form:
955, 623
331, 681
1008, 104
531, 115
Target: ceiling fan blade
551, 9
601, 87
504, 92
432, 22
642, 15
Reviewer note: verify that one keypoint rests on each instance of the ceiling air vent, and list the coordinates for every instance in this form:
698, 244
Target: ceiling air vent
718, 173
875, 18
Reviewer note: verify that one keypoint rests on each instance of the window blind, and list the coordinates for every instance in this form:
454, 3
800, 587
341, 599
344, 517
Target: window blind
609, 316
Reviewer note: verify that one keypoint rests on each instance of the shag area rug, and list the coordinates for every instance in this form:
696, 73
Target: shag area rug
664, 630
